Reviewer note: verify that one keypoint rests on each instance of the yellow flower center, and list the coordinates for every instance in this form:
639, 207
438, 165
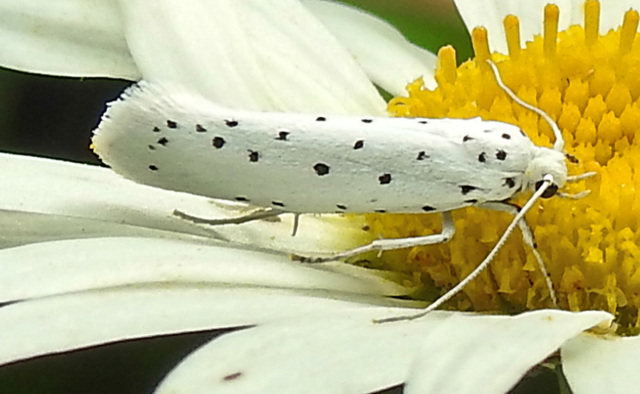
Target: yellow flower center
589, 83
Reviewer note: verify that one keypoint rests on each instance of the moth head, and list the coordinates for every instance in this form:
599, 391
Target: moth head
547, 162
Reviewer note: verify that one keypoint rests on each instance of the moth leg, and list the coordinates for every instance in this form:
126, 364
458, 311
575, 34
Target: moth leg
529, 240
577, 178
576, 196
448, 229
262, 213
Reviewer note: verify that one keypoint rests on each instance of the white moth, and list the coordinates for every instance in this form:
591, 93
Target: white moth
297, 163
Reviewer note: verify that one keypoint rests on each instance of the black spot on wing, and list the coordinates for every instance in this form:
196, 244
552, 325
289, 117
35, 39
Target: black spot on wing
156, 129
465, 189
428, 208
380, 211
501, 155
218, 142
320, 119
171, 124
321, 169
341, 206
153, 167
509, 182
366, 120
358, 145
282, 135
422, 155
482, 157
231, 122
466, 138
241, 199
254, 156
384, 179
506, 136
163, 141
278, 204
200, 129
472, 201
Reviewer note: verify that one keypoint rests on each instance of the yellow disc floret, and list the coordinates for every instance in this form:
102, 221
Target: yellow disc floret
590, 85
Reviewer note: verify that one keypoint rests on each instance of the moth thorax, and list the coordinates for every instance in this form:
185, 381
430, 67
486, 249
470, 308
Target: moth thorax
547, 162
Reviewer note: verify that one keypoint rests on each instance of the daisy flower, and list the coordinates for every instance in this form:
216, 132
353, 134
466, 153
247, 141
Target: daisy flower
90, 258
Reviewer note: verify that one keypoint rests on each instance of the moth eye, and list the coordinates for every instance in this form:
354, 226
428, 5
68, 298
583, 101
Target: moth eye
551, 190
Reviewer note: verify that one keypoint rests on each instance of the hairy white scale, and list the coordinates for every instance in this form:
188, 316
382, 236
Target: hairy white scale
317, 163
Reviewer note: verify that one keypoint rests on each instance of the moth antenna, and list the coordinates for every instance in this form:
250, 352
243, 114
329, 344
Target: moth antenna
546, 182
559, 144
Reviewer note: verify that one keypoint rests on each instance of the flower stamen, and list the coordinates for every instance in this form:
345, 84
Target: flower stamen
447, 64
628, 32
480, 42
551, 17
591, 21
512, 33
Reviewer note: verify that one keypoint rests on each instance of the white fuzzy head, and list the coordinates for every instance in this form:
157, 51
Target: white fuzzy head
547, 161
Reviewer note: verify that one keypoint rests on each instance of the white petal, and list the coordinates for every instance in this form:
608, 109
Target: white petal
76, 191
21, 228
48, 268
346, 352
72, 321
596, 364
65, 37
490, 354
388, 58
254, 54
89, 192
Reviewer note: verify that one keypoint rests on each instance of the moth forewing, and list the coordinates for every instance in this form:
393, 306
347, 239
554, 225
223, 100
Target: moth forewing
310, 163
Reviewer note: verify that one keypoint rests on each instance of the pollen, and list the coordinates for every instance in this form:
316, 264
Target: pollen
589, 83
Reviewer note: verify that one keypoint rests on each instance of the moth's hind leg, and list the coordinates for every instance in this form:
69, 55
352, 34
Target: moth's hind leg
262, 213
448, 229
259, 214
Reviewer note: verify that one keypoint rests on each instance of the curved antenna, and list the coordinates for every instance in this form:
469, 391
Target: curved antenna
559, 144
